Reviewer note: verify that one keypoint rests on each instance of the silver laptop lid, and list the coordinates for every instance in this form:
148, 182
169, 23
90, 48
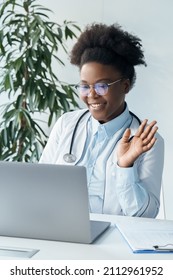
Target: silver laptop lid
44, 201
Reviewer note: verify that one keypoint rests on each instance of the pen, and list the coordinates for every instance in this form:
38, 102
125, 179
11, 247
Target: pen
163, 248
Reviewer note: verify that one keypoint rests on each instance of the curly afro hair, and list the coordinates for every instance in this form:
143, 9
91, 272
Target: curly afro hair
109, 45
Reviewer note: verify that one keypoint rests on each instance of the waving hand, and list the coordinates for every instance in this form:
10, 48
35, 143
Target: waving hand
143, 140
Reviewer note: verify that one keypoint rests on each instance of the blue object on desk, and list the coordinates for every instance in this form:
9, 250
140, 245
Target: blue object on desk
156, 249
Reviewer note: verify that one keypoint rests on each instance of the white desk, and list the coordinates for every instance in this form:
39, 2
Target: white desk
110, 246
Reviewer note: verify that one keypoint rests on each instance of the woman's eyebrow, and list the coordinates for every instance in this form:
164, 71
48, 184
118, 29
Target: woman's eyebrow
97, 81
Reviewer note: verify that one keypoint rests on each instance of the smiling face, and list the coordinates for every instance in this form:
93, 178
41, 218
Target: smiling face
106, 107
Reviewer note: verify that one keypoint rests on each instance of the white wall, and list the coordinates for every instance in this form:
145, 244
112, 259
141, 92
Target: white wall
152, 95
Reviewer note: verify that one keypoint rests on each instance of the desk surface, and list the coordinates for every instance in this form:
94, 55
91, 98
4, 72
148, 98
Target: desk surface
110, 246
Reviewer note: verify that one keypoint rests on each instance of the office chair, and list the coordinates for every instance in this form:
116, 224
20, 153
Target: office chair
162, 212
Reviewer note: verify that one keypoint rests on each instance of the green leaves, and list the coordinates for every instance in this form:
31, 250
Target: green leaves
29, 44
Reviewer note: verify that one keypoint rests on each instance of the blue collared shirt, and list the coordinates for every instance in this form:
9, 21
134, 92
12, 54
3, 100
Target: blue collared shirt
96, 152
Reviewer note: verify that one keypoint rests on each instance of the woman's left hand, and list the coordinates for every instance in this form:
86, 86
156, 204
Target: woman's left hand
142, 141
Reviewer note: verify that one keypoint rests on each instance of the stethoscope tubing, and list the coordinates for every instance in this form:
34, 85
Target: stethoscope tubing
69, 157
74, 132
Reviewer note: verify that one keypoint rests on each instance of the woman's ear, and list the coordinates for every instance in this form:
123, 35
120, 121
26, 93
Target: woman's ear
126, 84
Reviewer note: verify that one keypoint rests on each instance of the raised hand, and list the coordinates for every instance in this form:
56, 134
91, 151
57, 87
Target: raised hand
143, 140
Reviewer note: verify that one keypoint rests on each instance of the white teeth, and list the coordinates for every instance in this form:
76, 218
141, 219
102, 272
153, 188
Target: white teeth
95, 105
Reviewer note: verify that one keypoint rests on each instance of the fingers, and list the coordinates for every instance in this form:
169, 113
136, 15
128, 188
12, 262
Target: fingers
149, 145
147, 134
146, 131
126, 136
141, 128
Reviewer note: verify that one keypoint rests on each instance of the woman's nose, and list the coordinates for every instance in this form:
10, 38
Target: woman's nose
92, 92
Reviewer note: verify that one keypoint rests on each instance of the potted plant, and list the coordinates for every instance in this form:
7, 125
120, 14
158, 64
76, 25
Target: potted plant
29, 42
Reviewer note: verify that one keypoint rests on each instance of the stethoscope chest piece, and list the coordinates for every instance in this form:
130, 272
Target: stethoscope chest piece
69, 158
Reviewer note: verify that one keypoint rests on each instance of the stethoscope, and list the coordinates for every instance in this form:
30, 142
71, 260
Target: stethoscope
69, 157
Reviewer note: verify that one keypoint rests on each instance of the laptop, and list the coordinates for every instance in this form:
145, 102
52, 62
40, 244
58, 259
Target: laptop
46, 201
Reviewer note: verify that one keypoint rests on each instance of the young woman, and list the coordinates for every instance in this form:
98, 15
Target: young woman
123, 156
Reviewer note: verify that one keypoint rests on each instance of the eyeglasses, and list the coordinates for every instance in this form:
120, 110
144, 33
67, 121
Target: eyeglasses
100, 88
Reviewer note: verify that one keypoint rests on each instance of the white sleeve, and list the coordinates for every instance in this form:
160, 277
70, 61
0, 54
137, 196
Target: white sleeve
51, 147
138, 187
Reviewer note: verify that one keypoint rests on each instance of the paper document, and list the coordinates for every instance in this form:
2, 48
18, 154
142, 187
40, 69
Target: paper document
147, 235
